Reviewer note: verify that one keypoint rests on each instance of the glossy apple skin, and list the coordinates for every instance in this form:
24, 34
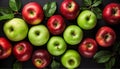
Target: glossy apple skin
15, 29
22, 51
71, 59
41, 58
73, 34
56, 24
105, 36
88, 47
69, 9
5, 48
38, 35
111, 13
33, 13
87, 20
56, 46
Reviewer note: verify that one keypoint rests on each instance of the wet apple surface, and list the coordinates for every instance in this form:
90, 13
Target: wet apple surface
85, 63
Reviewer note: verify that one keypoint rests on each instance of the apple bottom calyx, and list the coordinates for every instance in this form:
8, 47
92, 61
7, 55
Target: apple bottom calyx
38, 62
72, 62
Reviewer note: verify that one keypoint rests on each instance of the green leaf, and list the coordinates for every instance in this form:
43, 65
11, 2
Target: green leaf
49, 8
110, 63
97, 12
87, 2
104, 59
6, 13
15, 5
55, 65
96, 3
17, 65
102, 56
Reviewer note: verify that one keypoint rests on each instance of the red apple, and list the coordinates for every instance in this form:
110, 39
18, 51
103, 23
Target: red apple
105, 36
41, 58
111, 13
56, 24
22, 51
69, 9
88, 47
5, 48
33, 13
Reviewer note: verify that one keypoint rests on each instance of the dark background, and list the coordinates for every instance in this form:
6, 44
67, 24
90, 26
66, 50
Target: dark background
85, 63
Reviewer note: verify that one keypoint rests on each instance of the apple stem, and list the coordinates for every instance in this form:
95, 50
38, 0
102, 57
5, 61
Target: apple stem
37, 33
90, 7
114, 10
57, 44
55, 23
69, 5
11, 29
73, 33
20, 48
38, 61
89, 45
71, 62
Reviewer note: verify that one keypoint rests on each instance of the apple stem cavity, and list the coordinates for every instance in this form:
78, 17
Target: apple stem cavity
55, 24
37, 33
31, 12
114, 10
57, 45
39, 62
69, 5
89, 45
20, 48
73, 33
107, 37
88, 17
71, 62
11, 29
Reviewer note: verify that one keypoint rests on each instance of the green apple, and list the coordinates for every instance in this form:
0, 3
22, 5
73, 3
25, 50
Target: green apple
87, 20
73, 34
38, 35
15, 29
56, 45
71, 59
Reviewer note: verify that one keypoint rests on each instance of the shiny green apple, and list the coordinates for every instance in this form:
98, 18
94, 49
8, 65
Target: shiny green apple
15, 29
87, 20
56, 46
73, 35
38, 35
71, 59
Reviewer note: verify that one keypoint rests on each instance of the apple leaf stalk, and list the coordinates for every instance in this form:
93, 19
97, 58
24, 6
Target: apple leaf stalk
9, 13
108, 58
93, 6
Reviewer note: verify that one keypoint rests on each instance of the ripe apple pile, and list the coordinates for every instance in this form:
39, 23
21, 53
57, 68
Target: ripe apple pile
57, 35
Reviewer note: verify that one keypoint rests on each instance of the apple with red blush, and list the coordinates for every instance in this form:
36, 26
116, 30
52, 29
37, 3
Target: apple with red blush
69, 9
88, 47
5, 48
22, 51
56, 24
105, 36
